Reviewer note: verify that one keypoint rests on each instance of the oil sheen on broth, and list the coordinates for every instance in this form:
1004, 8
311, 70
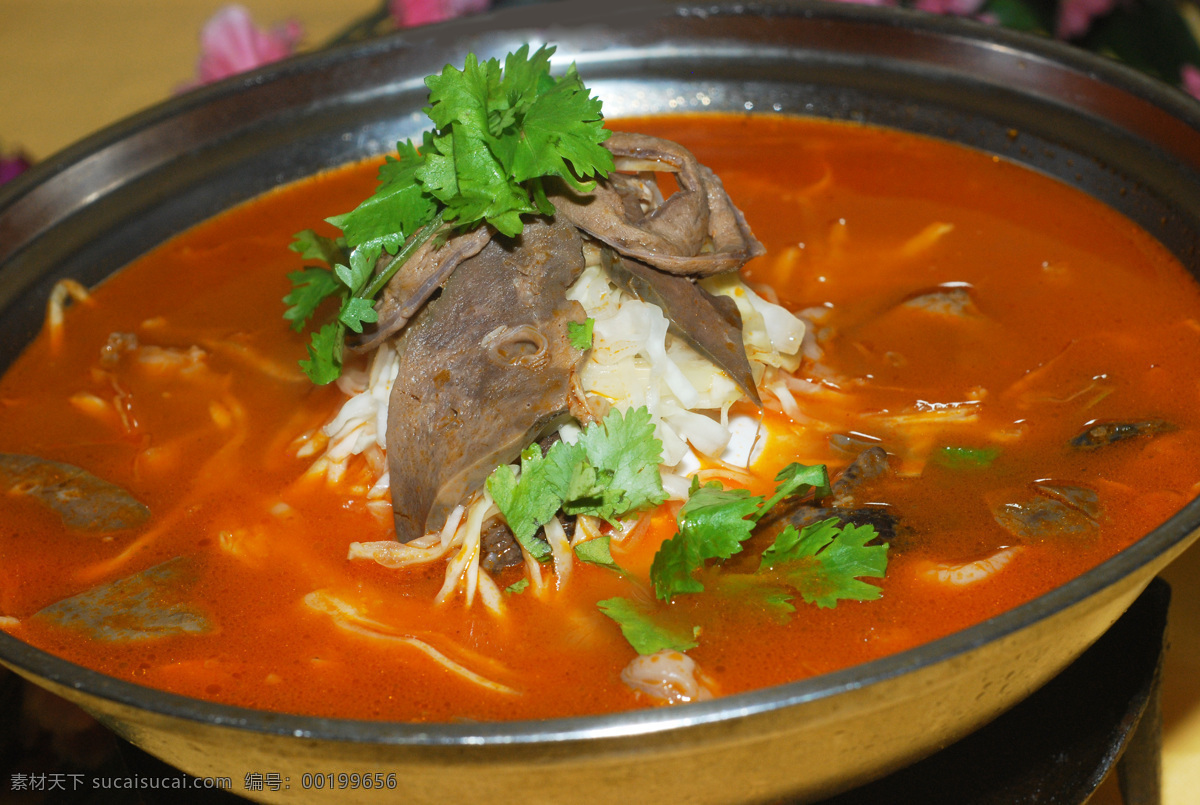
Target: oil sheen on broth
1025, 356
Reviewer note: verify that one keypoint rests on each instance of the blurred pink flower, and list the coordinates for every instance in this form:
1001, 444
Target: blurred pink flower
411, 13
1075, 16
957, 8
1190, 78
12, 165
230, 43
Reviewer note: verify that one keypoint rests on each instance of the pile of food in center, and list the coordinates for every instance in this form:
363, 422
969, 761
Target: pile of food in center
557, 333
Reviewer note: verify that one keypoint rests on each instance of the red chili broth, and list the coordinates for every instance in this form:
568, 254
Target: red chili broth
1065, 291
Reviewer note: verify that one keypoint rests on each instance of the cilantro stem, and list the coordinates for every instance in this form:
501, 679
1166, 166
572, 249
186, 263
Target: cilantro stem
409, 249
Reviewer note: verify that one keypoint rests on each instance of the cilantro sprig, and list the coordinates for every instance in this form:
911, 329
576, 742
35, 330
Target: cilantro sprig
821, 562
715, 522
610, 471
498, 134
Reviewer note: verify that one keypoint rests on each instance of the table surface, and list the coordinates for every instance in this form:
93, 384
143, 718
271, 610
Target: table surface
71, 67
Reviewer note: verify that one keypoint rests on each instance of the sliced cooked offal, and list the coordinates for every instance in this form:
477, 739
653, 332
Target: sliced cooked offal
485, 369
711, 325
867, 466
419, 279
145, 606
82, 500
696, 232
885, 522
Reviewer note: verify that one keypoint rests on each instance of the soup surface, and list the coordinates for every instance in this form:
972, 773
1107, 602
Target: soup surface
968, 316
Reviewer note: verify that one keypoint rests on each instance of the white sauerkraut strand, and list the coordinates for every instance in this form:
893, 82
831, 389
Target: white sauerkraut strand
634, 361
351, 618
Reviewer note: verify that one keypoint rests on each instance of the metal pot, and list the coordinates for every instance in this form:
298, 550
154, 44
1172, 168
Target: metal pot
1127, 140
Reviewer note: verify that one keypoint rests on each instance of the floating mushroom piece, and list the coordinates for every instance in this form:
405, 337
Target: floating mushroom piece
1054, 510
83, 501
1077, 497
1106, 433
867, 466
498, 548
148, 605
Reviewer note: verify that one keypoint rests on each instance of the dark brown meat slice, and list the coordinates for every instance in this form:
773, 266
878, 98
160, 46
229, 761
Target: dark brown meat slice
697, 231
1056, 509
498, 548
485, 369
417, 280
82, 500
881, 519
870, 464
710, 324
150, 605
843, 504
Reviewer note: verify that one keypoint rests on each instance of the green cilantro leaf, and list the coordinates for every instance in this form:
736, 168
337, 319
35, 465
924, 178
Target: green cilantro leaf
626, 447
357, 274
598, 551
580, 335
591, 490
517, 587
563, 126
644, 627
823, 561
324, 363
472, 185
527, 504
311, 246
356, 311
610, 471
797, 479
712, 525
397, 208
524, 78
715, 522
310, 287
